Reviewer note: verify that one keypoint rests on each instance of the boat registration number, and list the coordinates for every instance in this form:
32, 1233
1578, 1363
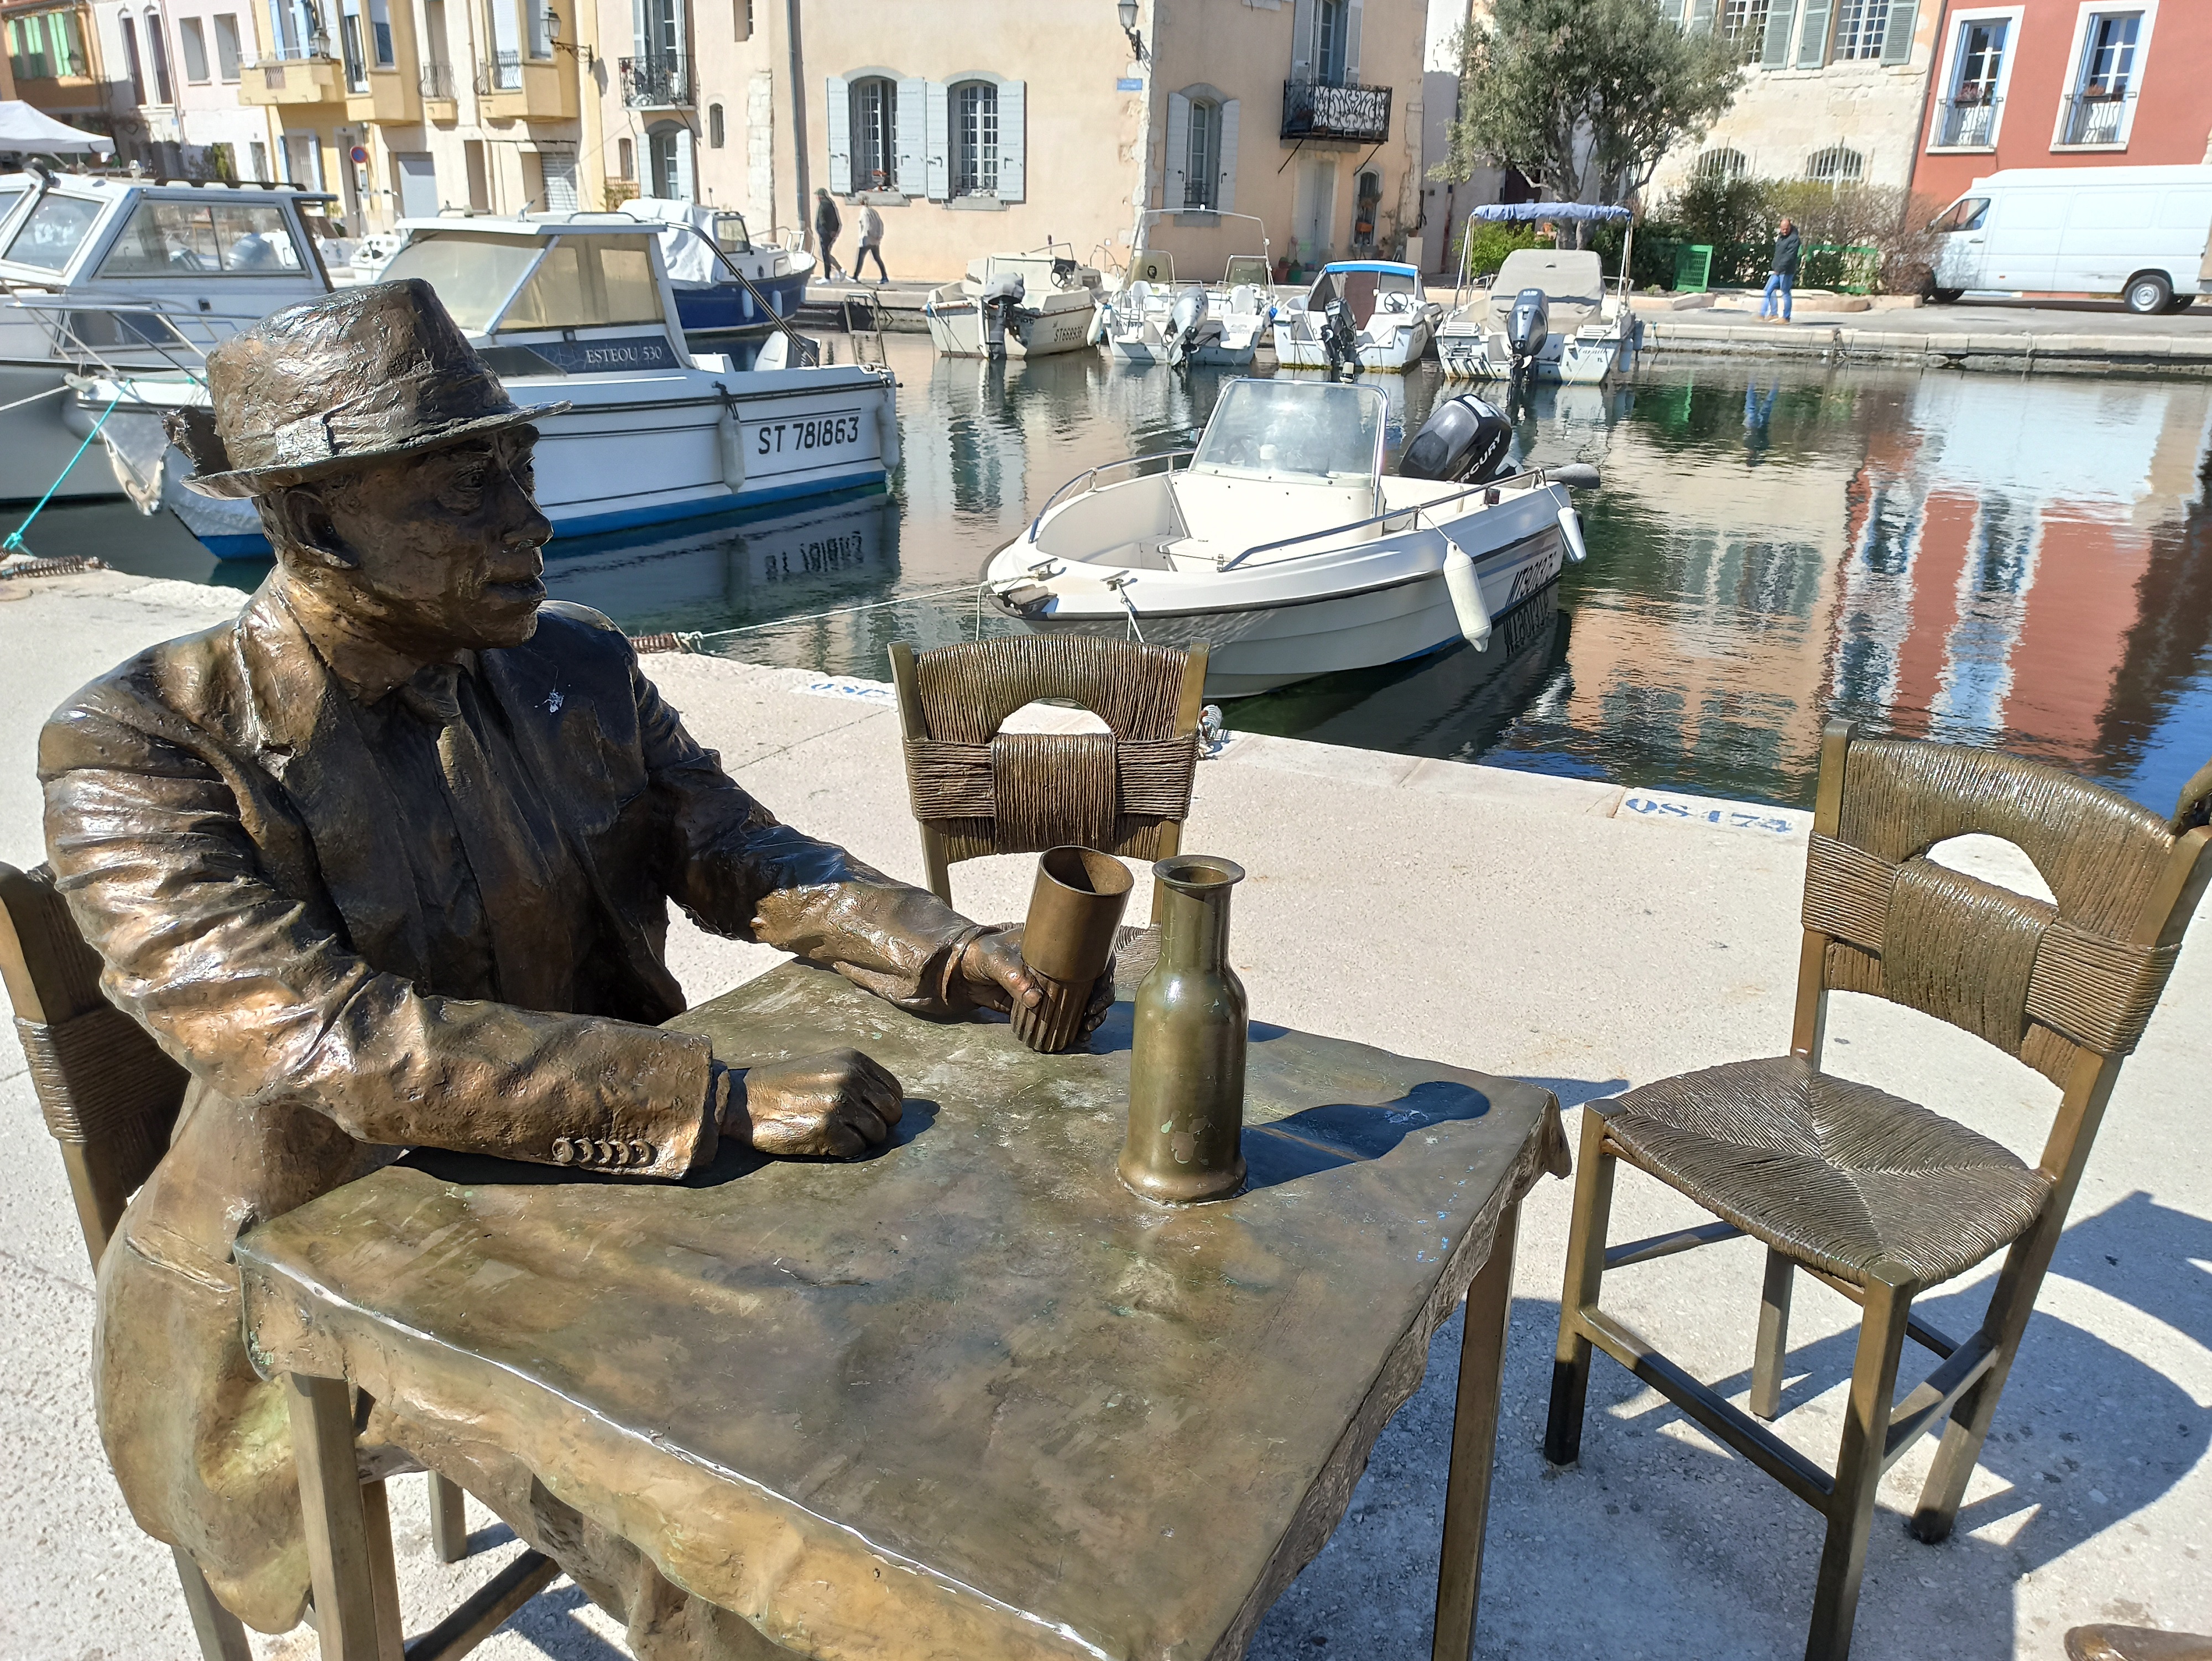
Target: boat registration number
806, 433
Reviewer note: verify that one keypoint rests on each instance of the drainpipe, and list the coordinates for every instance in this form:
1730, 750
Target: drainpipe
799, 128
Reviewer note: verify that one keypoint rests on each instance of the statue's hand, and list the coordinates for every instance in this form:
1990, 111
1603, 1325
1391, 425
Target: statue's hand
838, 1104
996, 978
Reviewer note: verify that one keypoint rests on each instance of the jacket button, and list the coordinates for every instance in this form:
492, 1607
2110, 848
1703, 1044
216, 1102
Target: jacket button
564, 1151
605, 1153
641, 1154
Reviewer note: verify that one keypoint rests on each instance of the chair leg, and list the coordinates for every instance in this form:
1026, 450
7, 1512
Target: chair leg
1563, 1429
1773, 1350
1858, 1469
449, 1520
340, 1554
221, 1635
383, 1571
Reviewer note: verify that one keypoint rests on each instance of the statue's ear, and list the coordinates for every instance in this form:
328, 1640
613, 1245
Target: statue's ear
308, 527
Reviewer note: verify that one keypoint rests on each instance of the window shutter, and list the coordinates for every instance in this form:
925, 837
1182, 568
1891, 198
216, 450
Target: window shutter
1813, 40
1014, 101
913, 146
1897, 36
687, 189
1301, 40
837, 116
1227, 199
1176, 175
937, 135
1351, 19
1774, 45
1701, 17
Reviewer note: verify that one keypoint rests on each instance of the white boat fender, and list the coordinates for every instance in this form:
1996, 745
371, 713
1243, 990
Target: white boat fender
1572, 528
1465, 591
887, 428
730, 433
1102, 317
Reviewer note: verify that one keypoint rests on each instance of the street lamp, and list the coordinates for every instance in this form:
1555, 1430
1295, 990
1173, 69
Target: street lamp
1129, 11
583, 55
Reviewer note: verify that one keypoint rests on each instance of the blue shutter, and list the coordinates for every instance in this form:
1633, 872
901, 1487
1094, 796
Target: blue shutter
937, 130
837, 114
1813, 40
913, 165
1013, 152
1774, 45
1897, 34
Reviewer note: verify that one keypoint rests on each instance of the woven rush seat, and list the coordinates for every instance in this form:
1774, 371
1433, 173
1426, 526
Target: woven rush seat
1839, 1176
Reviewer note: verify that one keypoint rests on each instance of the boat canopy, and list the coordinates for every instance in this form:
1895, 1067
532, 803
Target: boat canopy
693, 233
1574, 276
24, 128
1538, 213
84, 227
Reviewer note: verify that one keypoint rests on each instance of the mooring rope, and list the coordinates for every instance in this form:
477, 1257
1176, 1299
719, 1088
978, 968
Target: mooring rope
695, 639
14, 541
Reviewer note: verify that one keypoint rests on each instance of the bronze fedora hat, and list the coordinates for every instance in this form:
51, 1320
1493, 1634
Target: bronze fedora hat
367, 372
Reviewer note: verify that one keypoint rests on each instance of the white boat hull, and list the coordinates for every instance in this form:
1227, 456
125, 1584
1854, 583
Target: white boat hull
36, 444
1224, 348
653, 448
955, 327
1299, 347
1573, 360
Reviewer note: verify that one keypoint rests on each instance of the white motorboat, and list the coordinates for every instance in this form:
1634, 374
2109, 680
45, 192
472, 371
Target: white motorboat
726, 283
1547, 313
579, 310
1359, 315
101, 274
1284, 546
1187, 327
1015, 305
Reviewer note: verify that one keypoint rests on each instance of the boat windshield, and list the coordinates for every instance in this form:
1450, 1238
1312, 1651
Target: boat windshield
1247, 268
588, 283
233, 238
53, 231
730, 231
1317, 428
473, 274
10, 194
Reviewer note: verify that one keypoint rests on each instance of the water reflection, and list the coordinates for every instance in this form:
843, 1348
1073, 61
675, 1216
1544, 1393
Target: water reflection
2022, 562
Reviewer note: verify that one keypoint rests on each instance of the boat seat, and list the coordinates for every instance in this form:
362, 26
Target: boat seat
1244, 299
1228, 515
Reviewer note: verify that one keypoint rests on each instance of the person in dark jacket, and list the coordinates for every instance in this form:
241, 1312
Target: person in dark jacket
827, 225
1782, 274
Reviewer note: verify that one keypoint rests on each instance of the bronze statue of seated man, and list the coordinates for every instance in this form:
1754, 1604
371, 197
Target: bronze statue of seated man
385, 863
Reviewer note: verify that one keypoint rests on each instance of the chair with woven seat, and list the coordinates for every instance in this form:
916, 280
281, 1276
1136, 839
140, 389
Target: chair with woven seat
111, 1099
977, 790
1876, 1196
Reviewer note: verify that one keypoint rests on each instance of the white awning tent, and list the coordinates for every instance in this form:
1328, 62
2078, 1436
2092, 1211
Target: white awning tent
22, 128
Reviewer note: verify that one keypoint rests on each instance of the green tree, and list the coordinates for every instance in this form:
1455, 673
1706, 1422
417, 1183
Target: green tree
1582, 93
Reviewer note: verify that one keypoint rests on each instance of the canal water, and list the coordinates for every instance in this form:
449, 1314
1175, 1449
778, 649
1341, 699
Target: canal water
2024, 562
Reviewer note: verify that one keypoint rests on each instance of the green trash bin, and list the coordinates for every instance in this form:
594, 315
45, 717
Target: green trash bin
1693, 268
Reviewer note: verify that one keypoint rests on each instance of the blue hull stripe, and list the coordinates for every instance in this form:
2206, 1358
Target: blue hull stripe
256, 546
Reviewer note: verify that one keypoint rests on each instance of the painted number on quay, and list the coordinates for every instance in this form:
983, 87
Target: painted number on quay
807, 433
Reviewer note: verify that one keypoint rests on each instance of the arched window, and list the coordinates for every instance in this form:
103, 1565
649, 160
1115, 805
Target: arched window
1837, 165
1332, 41
1201, 172
131, 59
1722, 165
716, 130
875, 134
158, 47
668, 161
625, 158
974, 138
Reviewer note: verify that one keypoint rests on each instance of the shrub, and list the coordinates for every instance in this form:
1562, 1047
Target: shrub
1739, 218
1485, 246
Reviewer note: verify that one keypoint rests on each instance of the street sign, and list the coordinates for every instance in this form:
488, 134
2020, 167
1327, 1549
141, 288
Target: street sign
358, 154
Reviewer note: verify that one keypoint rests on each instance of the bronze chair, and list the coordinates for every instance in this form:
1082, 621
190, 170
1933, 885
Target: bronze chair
1874, 1195
111, 1099
977, 790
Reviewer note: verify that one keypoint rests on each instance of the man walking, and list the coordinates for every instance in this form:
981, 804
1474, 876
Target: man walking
1782, 274
871, 242
827, 225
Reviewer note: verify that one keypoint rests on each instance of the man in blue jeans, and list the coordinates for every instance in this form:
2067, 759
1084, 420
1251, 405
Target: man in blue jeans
1782, 274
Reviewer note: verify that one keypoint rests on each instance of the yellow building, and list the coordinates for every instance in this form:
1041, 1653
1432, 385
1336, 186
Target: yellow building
53, 61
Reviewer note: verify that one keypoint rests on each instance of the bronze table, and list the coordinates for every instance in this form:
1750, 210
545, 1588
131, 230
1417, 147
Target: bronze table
966, 1398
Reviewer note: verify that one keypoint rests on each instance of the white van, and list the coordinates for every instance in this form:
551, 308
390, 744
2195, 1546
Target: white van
2144, 234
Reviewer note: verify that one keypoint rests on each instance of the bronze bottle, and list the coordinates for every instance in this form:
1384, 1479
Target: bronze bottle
1187, 1059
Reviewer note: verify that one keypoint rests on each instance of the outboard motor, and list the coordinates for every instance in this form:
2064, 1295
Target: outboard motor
1528, 326
1001, 297
1464, 441
1184, 322
1339, 337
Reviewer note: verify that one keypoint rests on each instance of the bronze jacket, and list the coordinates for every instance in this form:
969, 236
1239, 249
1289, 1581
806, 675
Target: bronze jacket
227, 842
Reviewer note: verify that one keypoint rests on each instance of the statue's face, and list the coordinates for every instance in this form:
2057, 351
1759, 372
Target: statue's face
441, 549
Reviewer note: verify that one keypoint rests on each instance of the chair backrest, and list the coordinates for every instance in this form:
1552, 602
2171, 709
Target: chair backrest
110, 1096
2066, 985
977, 790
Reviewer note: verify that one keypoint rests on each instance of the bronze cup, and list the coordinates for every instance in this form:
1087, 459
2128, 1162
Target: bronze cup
1068, 940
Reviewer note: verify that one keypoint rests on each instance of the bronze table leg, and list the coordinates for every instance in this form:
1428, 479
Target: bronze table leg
1475, 1446
339, 1550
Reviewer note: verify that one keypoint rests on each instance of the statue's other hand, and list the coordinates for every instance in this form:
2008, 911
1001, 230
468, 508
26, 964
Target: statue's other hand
837, 1105
997, 978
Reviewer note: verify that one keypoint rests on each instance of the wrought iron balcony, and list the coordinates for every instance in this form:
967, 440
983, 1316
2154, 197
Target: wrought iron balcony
2095, 118
1966, 122
659, 81
1321, 109
502, 72
438, 81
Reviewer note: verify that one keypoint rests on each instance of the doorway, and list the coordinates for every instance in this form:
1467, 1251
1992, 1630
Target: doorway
1315, 219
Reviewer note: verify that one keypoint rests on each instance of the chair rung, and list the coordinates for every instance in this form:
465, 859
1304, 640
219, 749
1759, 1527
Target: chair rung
1933, 1395
1738, 1429
484, 1614
1928, 1337
1666, 1246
